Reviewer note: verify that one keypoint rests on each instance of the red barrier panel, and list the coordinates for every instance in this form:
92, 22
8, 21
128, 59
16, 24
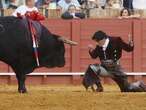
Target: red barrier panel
143, 46
3, 67
139, 33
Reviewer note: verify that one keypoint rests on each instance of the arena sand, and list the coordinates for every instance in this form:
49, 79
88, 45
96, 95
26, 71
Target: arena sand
69, 98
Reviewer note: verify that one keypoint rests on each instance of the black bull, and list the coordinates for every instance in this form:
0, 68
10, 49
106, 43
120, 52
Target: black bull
16, 49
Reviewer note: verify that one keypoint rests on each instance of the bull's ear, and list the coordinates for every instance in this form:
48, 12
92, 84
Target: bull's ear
67, 41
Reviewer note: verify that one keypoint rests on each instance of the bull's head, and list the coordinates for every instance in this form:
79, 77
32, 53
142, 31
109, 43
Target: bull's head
61, 49
55, 51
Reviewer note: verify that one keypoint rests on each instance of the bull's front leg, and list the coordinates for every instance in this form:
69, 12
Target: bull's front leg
21, 83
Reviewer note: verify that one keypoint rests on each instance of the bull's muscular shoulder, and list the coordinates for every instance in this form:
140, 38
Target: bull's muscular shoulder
15, 45
9, 23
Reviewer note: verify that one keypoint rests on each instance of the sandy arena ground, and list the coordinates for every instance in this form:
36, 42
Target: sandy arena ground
69, 98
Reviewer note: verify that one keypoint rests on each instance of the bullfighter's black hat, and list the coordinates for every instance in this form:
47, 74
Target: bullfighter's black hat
99, 35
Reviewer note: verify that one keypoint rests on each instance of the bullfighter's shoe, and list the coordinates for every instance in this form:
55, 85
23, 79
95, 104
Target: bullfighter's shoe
99, 87
143, 86
138, 86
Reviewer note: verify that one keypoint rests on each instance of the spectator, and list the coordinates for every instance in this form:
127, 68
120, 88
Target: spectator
81, 2
53, 4
125, 13
29, 6
139, 4
21, 2
72, 13
50, 4
4, 3
1, 6
93, 4
114, 4
102, 3
46, 3
39, 3
64, 4
128, 4
12, 4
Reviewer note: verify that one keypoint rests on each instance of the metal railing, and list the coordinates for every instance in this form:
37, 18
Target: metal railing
69, 74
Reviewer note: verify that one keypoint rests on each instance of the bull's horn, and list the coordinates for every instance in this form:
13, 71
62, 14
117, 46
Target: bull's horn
67, 41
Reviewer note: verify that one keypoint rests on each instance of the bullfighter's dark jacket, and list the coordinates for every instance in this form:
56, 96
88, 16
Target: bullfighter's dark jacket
113, 51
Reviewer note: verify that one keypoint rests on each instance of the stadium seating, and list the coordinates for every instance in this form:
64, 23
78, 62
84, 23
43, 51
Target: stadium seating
93, 13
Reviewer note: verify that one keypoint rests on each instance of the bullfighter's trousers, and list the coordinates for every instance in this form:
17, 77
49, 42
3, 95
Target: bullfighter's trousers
94, 71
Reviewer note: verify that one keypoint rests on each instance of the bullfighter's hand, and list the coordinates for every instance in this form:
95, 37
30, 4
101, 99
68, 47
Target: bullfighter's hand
91, 47
130, 40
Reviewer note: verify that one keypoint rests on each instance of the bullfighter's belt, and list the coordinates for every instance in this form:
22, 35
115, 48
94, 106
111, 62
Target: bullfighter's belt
110, 63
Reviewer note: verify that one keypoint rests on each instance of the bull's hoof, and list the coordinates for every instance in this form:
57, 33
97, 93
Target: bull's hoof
143, 86
22, 91
99, 90
93, 89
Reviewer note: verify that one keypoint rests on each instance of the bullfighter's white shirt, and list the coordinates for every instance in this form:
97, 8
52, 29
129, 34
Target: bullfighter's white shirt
139, 4
23, 9
105, 44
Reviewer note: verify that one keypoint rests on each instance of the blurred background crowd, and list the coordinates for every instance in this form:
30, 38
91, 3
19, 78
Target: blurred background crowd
69, 9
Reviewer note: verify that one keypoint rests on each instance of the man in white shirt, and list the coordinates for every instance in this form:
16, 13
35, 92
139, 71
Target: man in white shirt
30, 6
139, 4
64, 4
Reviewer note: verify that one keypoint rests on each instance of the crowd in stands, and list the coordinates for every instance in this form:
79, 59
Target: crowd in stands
70, 9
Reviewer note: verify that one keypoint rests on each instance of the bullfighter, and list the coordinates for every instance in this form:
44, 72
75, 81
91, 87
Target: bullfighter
109, 51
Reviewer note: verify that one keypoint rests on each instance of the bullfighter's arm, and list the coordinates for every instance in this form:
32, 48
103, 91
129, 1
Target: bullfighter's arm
127, 47
93, 53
